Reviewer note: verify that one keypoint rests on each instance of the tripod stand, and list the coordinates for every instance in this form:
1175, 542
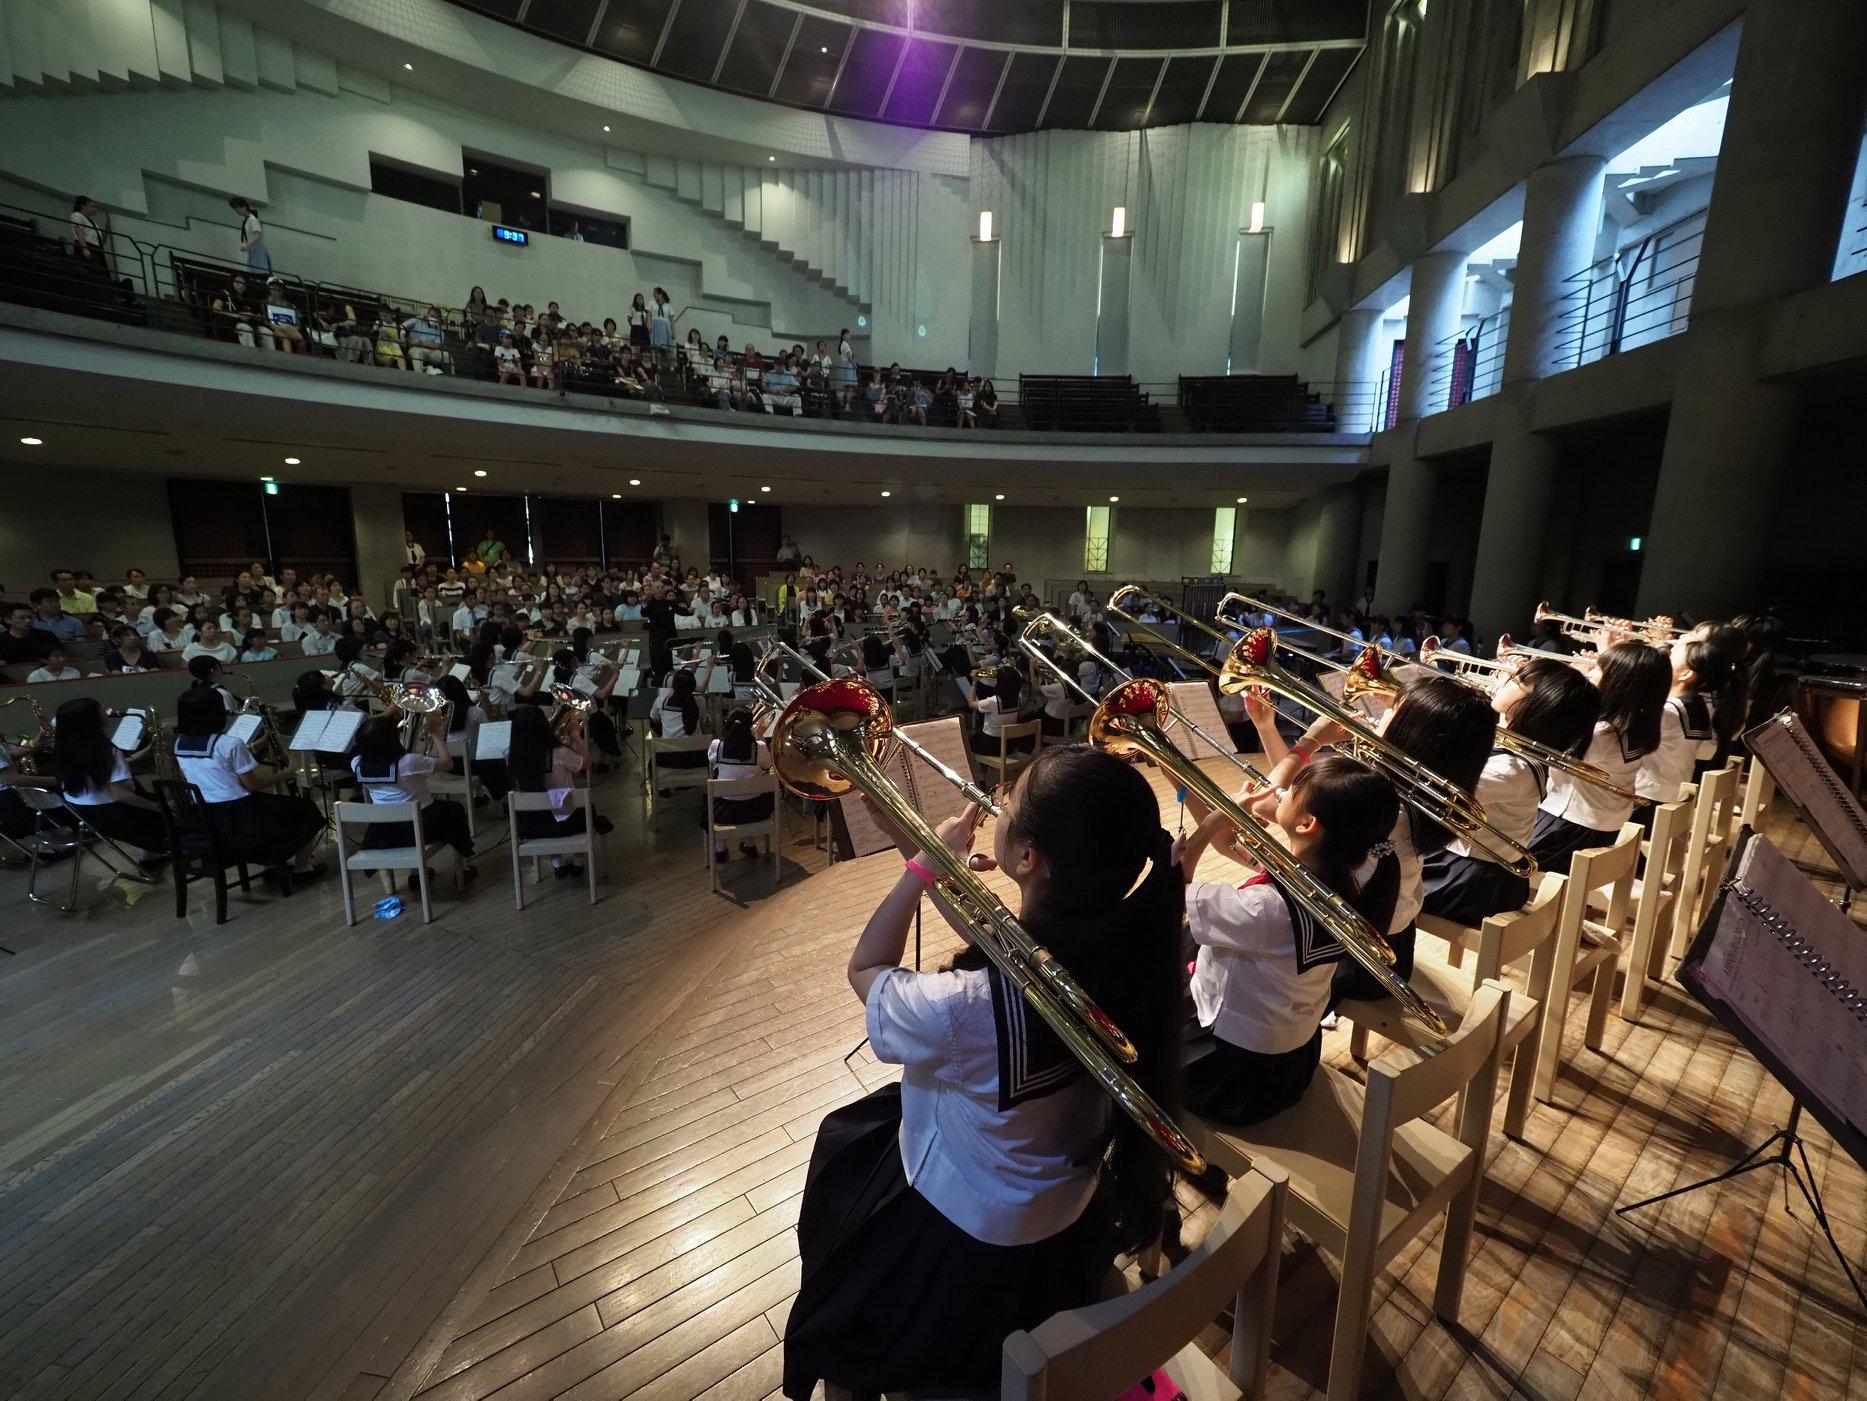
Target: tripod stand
1785, 1141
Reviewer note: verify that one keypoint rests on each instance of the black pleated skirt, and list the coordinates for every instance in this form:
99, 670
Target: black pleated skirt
1556, 840
443, 820
1240, 1087
1468, 891
265, 828
137, 828
894, 1295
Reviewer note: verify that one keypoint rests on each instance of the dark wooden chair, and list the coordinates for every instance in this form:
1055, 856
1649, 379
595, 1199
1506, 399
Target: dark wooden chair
195, 846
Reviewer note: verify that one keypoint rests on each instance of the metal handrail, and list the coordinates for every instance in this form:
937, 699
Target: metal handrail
1477, 373
1603, 313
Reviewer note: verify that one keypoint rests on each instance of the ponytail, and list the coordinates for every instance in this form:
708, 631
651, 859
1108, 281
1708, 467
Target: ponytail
1356, 809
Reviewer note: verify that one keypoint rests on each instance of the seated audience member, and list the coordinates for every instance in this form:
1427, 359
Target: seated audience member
425, 340
282, 316
170, 631
253, 823
487, 336
779, 390
94, 775
126, 652
208, 642
54, 667
387, 339
506, 361
236, 313
321, 641
255, 648
22, 641
985, 406
52, 618
72, 596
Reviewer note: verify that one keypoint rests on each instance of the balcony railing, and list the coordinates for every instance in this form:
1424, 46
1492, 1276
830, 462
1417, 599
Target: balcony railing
1469, 365
1641, 295
1853, 257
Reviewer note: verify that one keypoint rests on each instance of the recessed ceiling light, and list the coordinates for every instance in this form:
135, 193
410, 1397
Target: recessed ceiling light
537, 194
460, 488
764, 488
771, 158
615, 496
605, 128
824, 50
33, 442
479, 471
1113, 500
291, 462
1243, 499
999, 497
635, 481
409, 66
265, 479
887, 493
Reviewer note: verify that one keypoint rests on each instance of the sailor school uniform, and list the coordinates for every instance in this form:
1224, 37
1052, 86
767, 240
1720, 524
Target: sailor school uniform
1465, 883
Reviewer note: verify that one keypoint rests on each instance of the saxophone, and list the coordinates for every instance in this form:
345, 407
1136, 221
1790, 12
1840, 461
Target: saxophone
29, 755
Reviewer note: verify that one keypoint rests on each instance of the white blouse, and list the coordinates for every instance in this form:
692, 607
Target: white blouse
409, 784
217, 773
1509, 789
732, 769
97, 797
1004, 1175
1249, 986
1588, 804
1682, 746
671, 722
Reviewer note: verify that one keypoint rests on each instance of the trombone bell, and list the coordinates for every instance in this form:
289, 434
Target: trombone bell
804, 741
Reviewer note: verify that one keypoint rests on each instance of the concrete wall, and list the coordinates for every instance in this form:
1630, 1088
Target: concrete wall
887, 535
80, 518
376, 517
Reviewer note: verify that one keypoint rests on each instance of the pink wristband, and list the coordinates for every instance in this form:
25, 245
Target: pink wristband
1301, 753
926, 876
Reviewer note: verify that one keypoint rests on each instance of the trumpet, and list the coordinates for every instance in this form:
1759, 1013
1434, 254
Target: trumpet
838, 735
1133, 719
1486, 675
1590, 626
28, 759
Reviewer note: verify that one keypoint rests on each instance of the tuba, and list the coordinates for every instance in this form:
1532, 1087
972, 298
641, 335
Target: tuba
835, 736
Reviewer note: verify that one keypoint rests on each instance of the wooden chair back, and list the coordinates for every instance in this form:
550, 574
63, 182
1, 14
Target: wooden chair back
1714, 821
1405, 1084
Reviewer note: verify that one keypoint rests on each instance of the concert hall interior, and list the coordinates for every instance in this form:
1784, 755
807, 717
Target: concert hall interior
722, 700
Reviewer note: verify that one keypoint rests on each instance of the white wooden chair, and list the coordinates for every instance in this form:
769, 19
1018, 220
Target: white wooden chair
1100, 1350
458, 782
1714, 828
997, 768
1075, 726
664, 779
1368, 1174
1502, 941
770, 828
1587, 949
1663, 855
385, 859
1759, 793
582, 843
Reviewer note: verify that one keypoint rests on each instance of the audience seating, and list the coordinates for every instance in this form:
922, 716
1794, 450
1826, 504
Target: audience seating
1368, 1173
1085, 404
1587, 949
582, 843
385, 859
1108, 1347
39, 270
1500, 943
718, 833
1253, 404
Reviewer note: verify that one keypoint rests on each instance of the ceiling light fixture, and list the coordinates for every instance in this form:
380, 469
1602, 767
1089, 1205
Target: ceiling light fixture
291, 461
460, 488
1243, 499
635, 481
409, 66
887, 493
479, 471
824, 50
605, 128
265, 479
771, 158
764, 488
1113, 500
999, 497
33, 442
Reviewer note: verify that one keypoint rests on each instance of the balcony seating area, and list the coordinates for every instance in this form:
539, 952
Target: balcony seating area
1253, 404
1086, 404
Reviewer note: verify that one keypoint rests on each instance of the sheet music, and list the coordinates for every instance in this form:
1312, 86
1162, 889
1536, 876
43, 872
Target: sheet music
1793, 967
583, 685
492, 741
244, 728
460, 671
1193, 701
720, 681
129, 734
630, 681
933, 797
328, 731
1784, 747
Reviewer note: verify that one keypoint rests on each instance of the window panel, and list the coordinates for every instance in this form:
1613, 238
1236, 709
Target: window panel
1098, 534
978, 537
1224, 538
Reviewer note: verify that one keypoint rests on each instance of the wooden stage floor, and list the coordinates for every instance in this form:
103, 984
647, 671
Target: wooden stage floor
559, 1153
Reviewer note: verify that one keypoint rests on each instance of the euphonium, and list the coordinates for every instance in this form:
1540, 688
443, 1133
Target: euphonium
417, 702
837, 735
1133, 719
571, 711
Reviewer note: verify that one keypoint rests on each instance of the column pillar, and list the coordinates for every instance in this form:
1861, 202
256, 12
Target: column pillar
1779, 197
1406, 525
1561, 223
1520, 490
1434, 301
1338, 540
1357, 344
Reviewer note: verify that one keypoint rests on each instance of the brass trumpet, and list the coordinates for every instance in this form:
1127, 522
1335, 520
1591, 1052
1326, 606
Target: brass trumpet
1590, 626
1486, 675
1133, 719
836, 736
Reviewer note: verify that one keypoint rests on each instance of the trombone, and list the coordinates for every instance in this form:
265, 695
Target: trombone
1251, 662
837, 735
1232, 600
1485, 675
1133, 719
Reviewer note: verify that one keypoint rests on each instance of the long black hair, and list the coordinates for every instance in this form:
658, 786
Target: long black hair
1448, 727
528, 752
379, 747
1559, 707
681, 698
1714, 660
456, 691
200, 711
1096, 824
563, 666
82, 755
1635, 680
310, 693
738, 745
1355, 807
480, 661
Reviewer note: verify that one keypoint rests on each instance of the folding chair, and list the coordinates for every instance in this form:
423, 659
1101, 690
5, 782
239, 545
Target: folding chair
717, 834
1368, 1173
385, 859
1075, 726
458, 782
579, 843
